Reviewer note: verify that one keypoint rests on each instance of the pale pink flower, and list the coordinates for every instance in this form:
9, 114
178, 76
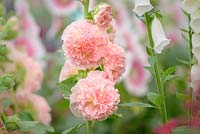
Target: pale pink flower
103, 17
35, 103
195, 77
84, 44
28, 23
114, 61
61, 7
66, 71
94, 98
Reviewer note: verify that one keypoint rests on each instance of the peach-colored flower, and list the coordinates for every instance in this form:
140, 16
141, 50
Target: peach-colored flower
103, 17
114, 61
84, 44
66, 71
37, 104
94, 98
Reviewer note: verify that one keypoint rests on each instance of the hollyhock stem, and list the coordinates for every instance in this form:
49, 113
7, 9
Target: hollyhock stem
191, 57
159, 84
89, 127
86, 7
13, 99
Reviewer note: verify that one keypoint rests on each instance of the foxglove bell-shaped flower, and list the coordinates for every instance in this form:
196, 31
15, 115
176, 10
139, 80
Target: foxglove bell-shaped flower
196, 46
159, 36
195, 21
142, 6
190, 6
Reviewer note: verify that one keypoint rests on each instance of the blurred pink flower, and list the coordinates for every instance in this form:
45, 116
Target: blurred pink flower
103, 17
61, 7
114, 63
40, 107
94, 98
67, 70
29, 39
84, 44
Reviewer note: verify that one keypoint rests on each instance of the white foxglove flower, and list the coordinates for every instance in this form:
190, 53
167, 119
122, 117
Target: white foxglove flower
142, 6
196, 46
195, 21
190, 6
158, 34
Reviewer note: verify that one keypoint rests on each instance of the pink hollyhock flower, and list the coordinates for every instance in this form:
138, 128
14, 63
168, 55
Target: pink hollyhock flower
36, 104
103, 17
195, 77
28, 23
114, 63
33, 71
84, 44
61, 7
66, 71
94, 98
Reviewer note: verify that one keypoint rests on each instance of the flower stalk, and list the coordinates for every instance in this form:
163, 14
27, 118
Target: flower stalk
156, 71
89, 127
86, 7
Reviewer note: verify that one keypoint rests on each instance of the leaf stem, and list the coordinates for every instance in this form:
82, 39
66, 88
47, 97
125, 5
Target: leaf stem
89, 127
157, 73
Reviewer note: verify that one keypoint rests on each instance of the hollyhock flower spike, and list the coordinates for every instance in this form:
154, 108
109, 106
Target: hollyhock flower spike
158, 35
114, 62
94, 98
196, 46
103, 17
142, 6
195, 21
84, 44
66, 71
38, 104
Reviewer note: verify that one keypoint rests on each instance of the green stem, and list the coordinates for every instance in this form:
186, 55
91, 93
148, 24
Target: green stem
159, 84
86, 7
13, 99
191, 58
89, 127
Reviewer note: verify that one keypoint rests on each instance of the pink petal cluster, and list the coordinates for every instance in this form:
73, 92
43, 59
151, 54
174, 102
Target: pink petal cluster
84, 44
37, 103
67, 70
94, 98
114, 61
103, 17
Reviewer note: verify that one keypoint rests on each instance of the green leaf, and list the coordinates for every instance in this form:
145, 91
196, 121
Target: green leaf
135, 104
186, 130
155, 98
150, 69
73, 129
6, 82
115, 116
185, 37
183, 61
26, 126
6, 103
166, 76
149, 51
184, 30
182, 96
152, 60
12, 123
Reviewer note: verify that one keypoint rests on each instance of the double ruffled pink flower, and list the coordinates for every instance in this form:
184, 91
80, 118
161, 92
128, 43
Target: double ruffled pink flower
103, 17
94, 98
84, 44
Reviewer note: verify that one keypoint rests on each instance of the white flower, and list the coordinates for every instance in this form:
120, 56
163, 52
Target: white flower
158, 34
196, 46
195, 77
142, 6
195, 21
190, 6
